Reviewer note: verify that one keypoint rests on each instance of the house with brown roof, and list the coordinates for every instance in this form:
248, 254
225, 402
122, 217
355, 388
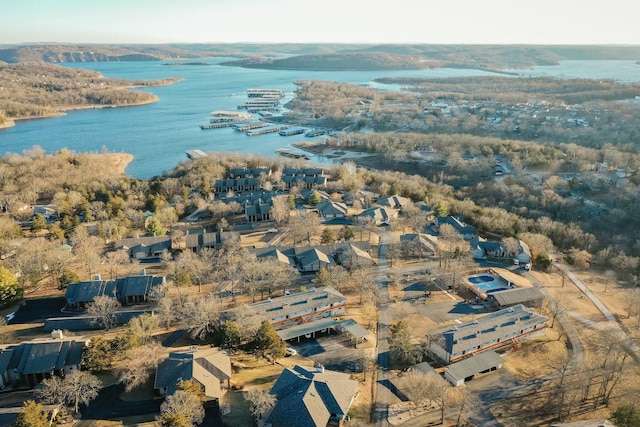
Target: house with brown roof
208, 366
311, 397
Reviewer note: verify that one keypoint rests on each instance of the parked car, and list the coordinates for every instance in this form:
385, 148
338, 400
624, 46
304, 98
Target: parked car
290, 351
272, 230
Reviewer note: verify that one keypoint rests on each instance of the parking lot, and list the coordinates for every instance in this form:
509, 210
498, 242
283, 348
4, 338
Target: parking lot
336, 351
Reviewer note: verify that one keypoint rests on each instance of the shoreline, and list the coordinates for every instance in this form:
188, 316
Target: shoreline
63, 111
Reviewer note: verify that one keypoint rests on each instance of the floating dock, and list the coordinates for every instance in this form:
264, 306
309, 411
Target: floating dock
315, 132
264, 130
217, 125
291, 131
294, 154
243, 127
259, 93
195, 154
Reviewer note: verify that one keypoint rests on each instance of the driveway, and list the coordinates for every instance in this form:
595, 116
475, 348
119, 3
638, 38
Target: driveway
37, 310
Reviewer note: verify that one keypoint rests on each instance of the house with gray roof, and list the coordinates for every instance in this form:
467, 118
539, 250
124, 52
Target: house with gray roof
331, 210
527, 295
146, 247
311, 397
197, 241
350, 255
468, 232
465, 370
312, 259
492, 331
28, 363
378, 214
208, 366
394, 201
127, 290
416, 245
302, 307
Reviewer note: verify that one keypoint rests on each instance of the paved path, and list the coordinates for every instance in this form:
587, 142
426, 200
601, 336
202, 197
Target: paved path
612, 324
382, 394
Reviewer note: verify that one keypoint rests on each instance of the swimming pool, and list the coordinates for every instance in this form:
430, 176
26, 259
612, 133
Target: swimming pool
481, 279
483, 284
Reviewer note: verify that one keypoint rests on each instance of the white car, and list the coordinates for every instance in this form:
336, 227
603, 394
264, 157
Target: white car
290, 351
272, 230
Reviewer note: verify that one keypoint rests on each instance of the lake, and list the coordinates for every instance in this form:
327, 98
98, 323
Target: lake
159, 134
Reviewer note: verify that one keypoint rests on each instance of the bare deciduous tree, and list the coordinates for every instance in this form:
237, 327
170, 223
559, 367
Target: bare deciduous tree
103, 309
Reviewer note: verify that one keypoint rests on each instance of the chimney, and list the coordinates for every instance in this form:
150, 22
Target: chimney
143, 272
56, 334
96, 276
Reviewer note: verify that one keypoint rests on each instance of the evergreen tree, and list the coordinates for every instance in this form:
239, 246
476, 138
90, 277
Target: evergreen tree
266, 342
315, 198
327, 236
32, 415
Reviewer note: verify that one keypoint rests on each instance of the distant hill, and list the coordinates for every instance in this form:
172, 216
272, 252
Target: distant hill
330, 56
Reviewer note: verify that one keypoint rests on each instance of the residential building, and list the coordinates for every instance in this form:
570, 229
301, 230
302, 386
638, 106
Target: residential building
311, 397
210, 240
208, 366
127, 290
465, 370
379, 215
141, 248
492, 331
301, 307
416, 245
350, 255
466, 231
394, 201
332, 210
28, 363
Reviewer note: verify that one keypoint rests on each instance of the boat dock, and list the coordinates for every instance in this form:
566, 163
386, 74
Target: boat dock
259, 93
243, 127
217, 125
291, 131
264, 130
294, 154
315, 132
195, 154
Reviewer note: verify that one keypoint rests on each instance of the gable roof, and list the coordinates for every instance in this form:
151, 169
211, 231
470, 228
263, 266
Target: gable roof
313, 256
310, 397
474, 365
332, 208
207, 366
492, 327
42, 356
394, 201
517, 295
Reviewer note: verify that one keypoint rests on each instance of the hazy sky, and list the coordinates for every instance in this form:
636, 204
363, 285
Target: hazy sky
342, 21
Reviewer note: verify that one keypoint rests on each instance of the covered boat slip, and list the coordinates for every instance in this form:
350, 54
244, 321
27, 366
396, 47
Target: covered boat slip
310, 329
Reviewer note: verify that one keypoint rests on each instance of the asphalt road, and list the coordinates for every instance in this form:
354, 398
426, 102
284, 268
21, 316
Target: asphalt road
109, 406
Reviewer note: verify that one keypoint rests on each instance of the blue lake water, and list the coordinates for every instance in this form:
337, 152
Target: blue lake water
158, 134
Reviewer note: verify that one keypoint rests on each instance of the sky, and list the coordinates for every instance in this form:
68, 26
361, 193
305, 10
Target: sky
320, 21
